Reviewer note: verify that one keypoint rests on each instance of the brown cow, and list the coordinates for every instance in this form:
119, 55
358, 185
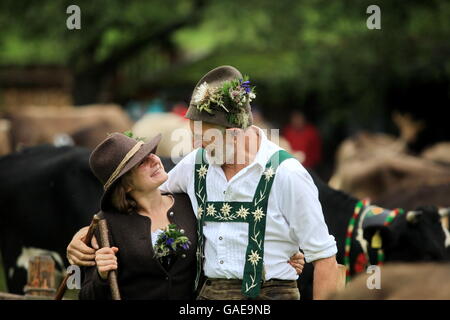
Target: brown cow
373, 165
36, 125
401, 281
440, 152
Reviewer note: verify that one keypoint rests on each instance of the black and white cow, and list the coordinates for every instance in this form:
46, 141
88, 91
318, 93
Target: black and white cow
409, 238
48, 193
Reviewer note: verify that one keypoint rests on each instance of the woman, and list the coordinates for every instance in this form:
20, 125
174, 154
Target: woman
136, 213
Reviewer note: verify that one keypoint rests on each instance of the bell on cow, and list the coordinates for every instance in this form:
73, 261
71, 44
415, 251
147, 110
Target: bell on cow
376, 242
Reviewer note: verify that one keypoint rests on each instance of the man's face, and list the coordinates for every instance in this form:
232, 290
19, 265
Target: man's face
214, 139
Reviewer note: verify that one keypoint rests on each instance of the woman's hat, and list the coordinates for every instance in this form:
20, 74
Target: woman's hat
115, 156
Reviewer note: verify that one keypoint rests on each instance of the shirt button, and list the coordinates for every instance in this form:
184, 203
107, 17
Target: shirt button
171, 213
224, 191
221, 261
220, 238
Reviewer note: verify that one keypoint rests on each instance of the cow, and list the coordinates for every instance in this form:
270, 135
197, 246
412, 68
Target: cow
401, 281
439, 152
370, 165
414, 237
48, 193
32, 126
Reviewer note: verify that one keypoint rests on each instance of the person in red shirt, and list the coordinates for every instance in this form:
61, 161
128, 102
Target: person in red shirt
304, 138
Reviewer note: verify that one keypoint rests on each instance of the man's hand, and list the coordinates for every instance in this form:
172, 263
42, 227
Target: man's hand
325, 277
298, 262
80, 254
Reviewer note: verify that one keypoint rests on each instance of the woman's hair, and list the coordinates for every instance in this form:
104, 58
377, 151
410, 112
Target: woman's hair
120, 198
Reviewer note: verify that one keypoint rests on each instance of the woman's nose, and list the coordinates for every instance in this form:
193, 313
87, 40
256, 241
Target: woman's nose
153, 160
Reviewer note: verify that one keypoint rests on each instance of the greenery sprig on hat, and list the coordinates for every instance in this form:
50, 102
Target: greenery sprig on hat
130, 134
232, 96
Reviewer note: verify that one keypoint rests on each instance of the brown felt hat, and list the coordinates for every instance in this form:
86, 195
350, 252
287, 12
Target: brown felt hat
215, 78
115, 156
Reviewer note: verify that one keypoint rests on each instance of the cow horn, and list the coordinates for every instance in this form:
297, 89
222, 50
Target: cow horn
444, 212
412, 215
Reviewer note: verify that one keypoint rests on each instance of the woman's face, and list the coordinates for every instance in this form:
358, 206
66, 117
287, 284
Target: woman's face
148, 175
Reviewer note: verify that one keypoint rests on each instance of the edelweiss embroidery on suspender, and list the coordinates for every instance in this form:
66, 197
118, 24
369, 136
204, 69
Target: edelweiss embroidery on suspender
254, 213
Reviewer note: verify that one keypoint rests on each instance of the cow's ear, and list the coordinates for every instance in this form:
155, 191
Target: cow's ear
423, 212
413, 217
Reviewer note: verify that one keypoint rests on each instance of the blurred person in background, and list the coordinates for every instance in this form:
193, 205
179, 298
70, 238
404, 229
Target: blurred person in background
304, 138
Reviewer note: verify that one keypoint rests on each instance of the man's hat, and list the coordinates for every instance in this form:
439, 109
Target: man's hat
222, 97
115, 156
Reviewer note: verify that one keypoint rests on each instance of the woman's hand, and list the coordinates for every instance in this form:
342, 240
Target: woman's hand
106, 260
298, 262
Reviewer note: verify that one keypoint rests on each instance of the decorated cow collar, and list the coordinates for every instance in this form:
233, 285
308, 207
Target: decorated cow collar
367, 216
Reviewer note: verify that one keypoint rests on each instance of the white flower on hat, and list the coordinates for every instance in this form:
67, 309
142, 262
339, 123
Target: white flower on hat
201, 93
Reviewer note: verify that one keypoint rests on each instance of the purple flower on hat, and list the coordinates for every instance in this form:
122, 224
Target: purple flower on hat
245, 85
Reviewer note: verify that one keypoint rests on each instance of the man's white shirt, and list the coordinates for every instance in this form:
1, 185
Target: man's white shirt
294, 215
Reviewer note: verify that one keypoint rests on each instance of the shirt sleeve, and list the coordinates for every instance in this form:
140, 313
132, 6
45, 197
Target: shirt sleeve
298, 201
180, 175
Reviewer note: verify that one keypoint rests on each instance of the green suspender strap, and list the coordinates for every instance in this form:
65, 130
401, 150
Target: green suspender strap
254, 213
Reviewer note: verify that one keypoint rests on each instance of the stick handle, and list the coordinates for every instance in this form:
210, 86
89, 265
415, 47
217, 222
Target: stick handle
87, 240
112, 275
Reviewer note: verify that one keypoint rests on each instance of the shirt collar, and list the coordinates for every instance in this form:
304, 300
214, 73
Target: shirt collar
264, 152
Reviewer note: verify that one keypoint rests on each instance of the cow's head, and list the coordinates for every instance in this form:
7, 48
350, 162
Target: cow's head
411, 236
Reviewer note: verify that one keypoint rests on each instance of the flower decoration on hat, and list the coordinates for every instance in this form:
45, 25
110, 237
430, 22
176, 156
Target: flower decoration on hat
232, 96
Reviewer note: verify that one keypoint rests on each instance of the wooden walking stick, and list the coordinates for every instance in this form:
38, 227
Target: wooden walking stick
104, 242
87, 240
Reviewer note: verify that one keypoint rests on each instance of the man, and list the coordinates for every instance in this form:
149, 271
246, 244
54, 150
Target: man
256, 205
